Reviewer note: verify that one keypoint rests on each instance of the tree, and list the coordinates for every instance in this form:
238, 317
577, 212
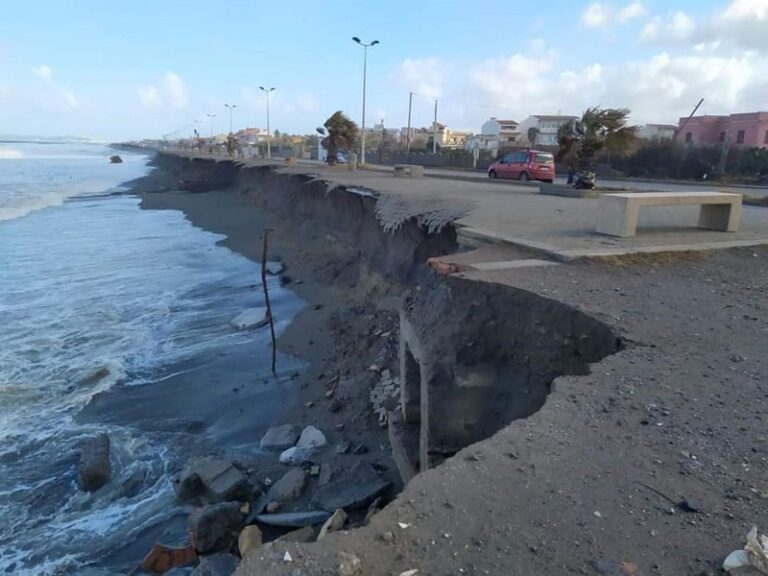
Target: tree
599, 129
533, 133
341, 135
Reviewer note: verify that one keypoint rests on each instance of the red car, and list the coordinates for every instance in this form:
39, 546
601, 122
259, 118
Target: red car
525, 165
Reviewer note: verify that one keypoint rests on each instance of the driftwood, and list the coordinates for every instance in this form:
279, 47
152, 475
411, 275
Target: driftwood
266, 298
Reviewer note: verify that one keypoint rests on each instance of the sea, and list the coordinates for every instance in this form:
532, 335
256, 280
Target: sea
96, 293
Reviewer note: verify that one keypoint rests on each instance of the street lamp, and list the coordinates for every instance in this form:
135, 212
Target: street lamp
211, 117
231, 107
365, 66
269, 134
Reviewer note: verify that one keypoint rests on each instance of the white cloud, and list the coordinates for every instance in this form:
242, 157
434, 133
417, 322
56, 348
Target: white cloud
676, 27
746, 9
595, 15
631, 11
175, 90
743, 23
63, 95
423, 76
172, 93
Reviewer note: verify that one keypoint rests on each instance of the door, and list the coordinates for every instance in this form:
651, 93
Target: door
519, 160
504, 168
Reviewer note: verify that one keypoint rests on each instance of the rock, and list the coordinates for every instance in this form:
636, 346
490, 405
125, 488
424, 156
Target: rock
273, 507
280, 438
275, 268
343, 447
294, 519
311, 439
690, 505
333, 524
360, 449
386, 374
95, 468
250, 539
303, 535
214, 479
315, 470
285, 280
349, 565
289, 487
216, 527
335, 405
294, 456
132, 485
355, 487
251, 318
115, 159
162, 558
222, 564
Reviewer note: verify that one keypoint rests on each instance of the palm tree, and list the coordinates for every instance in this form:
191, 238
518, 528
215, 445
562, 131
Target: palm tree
341, 135
581, 141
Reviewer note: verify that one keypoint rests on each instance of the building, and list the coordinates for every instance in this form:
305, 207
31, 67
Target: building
657, 132
497, 134
447, 138
546, 128
748, 130
251, 136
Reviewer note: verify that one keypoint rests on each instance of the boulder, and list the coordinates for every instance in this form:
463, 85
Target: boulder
280, 438
250, 539
294, 519
95, 468
215, 480
311, 439
289, 487
251, 318
221, 564
216, 527
355, 487
131, 486
294, 456
333, 524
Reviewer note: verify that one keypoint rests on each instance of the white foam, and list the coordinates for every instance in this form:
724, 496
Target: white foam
10, 154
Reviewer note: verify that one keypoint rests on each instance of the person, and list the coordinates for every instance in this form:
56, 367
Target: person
571, 173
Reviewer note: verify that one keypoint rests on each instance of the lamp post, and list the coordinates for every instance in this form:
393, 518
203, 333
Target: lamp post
231, 107
365, 67
269, 134
211, 117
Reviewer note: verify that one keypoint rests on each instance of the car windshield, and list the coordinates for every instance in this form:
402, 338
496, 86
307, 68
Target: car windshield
544, 157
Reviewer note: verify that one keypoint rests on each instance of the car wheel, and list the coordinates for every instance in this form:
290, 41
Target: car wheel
492, 174
524, 177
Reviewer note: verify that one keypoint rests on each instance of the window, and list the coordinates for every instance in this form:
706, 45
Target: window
544, 158
521, 157
721, 138
688, 136
508, 159
740, 137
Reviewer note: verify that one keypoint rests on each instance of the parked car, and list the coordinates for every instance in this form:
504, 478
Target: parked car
524, 165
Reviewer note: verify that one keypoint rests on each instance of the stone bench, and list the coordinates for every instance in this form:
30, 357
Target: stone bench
409, 170
619, 212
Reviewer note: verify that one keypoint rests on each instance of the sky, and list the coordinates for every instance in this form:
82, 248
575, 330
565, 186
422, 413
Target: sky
145, 69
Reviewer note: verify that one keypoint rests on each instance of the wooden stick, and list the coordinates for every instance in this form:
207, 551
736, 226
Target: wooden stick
266, 299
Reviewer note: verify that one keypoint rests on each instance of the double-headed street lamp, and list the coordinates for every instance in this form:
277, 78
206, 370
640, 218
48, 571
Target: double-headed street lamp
211, 117
269, 134
365, 70
231, 107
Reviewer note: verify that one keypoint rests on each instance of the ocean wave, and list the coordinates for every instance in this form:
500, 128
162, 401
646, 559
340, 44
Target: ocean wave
10, 154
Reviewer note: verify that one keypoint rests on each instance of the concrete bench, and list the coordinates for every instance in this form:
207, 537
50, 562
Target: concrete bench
411, 170
619, 212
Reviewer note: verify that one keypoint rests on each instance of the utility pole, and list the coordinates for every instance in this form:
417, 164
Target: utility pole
269, 134
211, 117
231, 107
365, 72
408, 134
434, 131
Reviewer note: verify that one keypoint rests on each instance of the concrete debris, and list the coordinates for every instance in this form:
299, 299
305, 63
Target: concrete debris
311, 439
343, 447
214, 480
412, 572
294, 519
222, 564
754, 556
251, 319
280, 438
289, 487
250, 539
355, 487
287, 557
215, 528
333, 524
95, 468
403, 525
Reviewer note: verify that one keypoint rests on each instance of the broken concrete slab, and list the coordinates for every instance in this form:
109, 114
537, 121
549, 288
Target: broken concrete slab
294, 456
289, 487
215, 480
354, 487
280, 438
294, 519
250, 539
302, 535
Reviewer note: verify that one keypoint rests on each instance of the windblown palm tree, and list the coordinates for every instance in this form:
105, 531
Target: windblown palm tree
341, 135
581, 141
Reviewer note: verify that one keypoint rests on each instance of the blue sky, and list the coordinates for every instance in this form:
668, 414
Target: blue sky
119, 70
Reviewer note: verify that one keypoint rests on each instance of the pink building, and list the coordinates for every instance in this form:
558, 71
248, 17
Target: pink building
748, 130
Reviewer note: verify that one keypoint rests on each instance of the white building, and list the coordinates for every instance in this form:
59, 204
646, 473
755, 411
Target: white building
546, 128
657, 132
496, 134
